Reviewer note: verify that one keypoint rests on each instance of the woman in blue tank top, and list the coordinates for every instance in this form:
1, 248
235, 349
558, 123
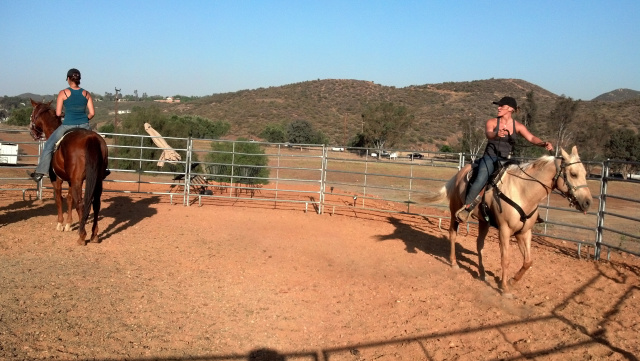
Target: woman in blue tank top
78, 106
501, 132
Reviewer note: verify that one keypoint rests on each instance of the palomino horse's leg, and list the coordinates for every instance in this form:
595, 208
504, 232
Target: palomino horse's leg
57, 195
504, 234
524, 243
76, 191
483, 229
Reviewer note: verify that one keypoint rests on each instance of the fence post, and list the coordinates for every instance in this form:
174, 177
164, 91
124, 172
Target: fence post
187, 172
604, 173
323, 178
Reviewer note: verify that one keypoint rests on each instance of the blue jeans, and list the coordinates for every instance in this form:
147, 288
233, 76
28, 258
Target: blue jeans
486, 166
47, 152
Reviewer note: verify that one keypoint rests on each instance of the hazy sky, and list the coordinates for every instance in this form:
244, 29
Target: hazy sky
580, 48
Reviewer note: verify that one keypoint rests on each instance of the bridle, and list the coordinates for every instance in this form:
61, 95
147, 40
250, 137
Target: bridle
570, 192
37, 133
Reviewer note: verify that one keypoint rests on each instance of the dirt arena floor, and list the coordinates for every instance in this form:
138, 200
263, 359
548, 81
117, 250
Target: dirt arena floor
232, 281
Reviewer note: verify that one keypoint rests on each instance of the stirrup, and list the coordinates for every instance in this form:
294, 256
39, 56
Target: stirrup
462, 215
36, 177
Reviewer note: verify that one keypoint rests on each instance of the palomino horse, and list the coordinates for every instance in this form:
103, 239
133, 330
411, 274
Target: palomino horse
513, 204
82, 154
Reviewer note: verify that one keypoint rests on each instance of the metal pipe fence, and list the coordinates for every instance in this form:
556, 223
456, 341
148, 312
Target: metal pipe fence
332, 180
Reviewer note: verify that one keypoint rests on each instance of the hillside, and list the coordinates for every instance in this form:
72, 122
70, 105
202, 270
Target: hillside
618, 95
334, 106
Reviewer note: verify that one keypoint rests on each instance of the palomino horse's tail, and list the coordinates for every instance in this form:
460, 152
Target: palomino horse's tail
93, 163
444, 194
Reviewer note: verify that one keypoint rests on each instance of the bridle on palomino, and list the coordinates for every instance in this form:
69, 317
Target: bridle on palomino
570, 193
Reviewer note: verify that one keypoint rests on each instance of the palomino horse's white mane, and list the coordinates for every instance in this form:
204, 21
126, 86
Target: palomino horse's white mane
538, 163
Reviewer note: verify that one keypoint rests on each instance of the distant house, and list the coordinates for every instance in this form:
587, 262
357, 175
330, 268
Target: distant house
168, 100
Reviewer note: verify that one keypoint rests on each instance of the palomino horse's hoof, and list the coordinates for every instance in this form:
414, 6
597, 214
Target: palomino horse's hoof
67, 227
60, 227
507, 295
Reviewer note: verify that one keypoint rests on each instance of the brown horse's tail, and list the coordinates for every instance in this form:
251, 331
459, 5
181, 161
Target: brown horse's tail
444, 193
94, 160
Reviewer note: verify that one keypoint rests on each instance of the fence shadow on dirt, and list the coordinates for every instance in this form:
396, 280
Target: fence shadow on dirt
20, 210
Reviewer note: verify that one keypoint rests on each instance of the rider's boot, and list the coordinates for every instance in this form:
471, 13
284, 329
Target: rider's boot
462, 215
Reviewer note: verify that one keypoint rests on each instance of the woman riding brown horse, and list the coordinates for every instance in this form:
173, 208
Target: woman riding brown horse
81, 154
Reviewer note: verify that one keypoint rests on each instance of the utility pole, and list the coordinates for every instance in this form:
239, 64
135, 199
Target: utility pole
115, 127
344, 133
115, 122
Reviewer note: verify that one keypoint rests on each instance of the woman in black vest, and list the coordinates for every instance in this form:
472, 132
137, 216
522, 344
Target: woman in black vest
501, 133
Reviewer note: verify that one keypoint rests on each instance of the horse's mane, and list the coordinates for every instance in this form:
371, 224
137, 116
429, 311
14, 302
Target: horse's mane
538, 163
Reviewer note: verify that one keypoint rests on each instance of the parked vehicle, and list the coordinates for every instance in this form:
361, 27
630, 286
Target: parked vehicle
415, 156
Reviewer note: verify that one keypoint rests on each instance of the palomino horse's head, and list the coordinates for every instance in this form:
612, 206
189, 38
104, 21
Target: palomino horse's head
571, 180
43, 120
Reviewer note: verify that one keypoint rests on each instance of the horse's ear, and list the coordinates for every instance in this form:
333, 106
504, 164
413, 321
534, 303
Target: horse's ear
49, 103
574, 151
564, 154
33, 104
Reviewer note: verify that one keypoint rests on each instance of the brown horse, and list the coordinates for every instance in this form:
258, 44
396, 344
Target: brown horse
82, 154
512, 206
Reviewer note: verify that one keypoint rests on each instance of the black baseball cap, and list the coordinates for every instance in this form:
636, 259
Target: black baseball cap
72, 71
507, 101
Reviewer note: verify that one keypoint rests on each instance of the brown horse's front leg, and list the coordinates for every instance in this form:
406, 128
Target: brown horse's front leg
57, 195
70, 206
504, 236
76, 191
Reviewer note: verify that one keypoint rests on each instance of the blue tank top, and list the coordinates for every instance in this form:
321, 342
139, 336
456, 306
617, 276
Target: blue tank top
75, 108
501, 147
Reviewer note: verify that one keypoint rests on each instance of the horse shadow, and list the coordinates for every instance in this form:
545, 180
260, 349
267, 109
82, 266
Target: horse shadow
437, 246
126, 213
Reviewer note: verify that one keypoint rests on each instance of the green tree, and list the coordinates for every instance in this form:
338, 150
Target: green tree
473, 136
530, 110
274, 133
301, 132
624, 145
20, 116
246, 161
385, 124
592, 138
562, 116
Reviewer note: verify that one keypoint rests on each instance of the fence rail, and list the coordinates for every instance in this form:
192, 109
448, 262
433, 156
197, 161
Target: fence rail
330, 179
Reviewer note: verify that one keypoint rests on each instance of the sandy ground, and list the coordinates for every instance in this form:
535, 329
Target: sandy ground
234, 281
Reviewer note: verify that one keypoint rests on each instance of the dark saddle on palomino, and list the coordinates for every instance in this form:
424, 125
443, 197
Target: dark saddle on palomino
485, 212
500, 167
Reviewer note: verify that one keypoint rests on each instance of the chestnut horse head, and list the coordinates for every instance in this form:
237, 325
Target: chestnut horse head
43, 120
81, 155
513, 204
